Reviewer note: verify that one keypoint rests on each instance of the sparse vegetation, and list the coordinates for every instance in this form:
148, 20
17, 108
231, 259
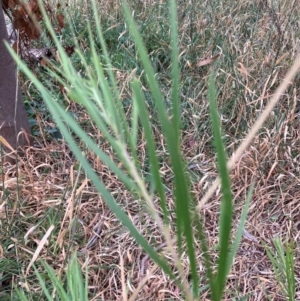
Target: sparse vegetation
123, 189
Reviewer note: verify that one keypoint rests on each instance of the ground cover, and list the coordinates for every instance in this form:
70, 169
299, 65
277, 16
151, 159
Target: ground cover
250, 47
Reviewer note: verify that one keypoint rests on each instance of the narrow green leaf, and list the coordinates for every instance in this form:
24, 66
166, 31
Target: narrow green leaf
207, 259
279, 248
182, 196
140, 101
290, 272
111, 202
21, 295
155, 90
56, 282
175, 69
42, 284
183, 213
77, 129
277, 266
76, 286
239, 232
108, 96
111, 76
91, 174
114, 106
68, 68
226, 203
134, 130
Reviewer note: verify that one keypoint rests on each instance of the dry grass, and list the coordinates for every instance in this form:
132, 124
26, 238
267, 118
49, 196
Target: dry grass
258, 43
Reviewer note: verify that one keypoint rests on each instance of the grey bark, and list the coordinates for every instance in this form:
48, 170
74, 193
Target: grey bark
13, 116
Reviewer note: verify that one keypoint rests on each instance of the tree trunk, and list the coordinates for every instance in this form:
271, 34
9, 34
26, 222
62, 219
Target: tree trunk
13, 116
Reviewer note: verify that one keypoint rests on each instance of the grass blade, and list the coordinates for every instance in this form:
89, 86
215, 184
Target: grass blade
76, 286
290, 272
140, 100
175, 69
57, 284
182, 195
21, 295
239, 232
207, 259
115, 93
42, 284
91, 174
226, 203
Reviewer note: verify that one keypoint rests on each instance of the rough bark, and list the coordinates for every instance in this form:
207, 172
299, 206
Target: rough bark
13, 116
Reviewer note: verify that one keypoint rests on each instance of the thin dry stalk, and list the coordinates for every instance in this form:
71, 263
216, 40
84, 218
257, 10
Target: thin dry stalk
124, 293
142, 283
